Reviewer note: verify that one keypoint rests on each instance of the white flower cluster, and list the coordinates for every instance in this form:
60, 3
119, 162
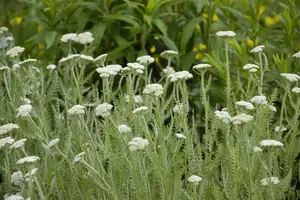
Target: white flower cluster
194, 179
179, 108
101, 59
4, 68
109, 70
15, 51
14, 197
137, 99
241, 118
51, 67
145, 60
296, 90
257, 49
140, 109
168, 70
277, 129
68, 37
154, 89
24, 110
5, 141
134, 67
76, 110
297, 55
201, 67
226, 34
290, 77
169, 54
257, 149
75, 57
271, 143
179, 135
180, 76
29, 176
245, 104
224, 116
78, 157
18, 144
82, 38
3, 29
138, 143
103, 110
17, 178
260, 100
251, 67
29, 60
7, 128
28, 159
123, 129
272, 180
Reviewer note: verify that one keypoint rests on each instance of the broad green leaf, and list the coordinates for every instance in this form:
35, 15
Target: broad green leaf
199, 4
168, 42
161, 26
126, 18
187, 61
152, 4
98, 32
188, 32
50, 38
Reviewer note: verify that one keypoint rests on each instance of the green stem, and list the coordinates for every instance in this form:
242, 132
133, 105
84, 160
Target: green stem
146, 178
228, 89
77, 86
261, 75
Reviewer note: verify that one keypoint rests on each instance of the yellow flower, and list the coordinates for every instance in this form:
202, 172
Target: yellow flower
16, 20
40, 28
202, 47
276, 18
261, 9
156, 59
198, 28
195, 48
198, 56
250, 43
41, 46
270, 21
205, 15
215, 18
152, 49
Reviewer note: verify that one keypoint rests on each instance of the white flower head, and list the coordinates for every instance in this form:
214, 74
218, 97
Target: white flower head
180, 76
154, 89
123, 129
271, 143
227, 35
103, 110
13, 197
84, 38
272, 108
4, 68
78, 157
241, 118
245, 104
15, 67
29, 60
297, 55
179, 135
195, 179
145, 60
169, 70
257, 49
296, 90
179, 108
9, 38
260, 100
136, 67
3, 29
257, 149
7, 128
138, 143
15, 51
51, 67
7, 140
86, 57
18, 144
70, 57
277, 129
17, 178
101, 59
109, 70
290, 77
137, 99
76, 110
224, 116
68, 37
140, 109
251, 67
201, 67
272, 180
29, 175
169, 54
52, 143
28, 159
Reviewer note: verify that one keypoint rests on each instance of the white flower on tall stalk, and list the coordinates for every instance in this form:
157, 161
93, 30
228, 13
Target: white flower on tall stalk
260, 100
3, 29
109, 70
272, 108
18, 144
123, 129
9, 38
169, 54
15, 51
68, 37
277, 129
154, 89
138, 143
257, 149
29, 175
194, 179
7, 128
15, 67
17, 178
179, 108
180, 76
241, 118
101, 59
6, 140
78, 157
13, 197
137, 99
51, 67
145, 60
297, 55
290, 77
28, 159
271, 143
201, 67
29, 60
84, 38
296, 90
4, 68
224, 116
169, 70
103, 110
136, 67
245, 104
70, 57
179, 135
227, 35
272, 180
140, 109
86, 57
76, 110
52, 143
251, 67
257, 49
